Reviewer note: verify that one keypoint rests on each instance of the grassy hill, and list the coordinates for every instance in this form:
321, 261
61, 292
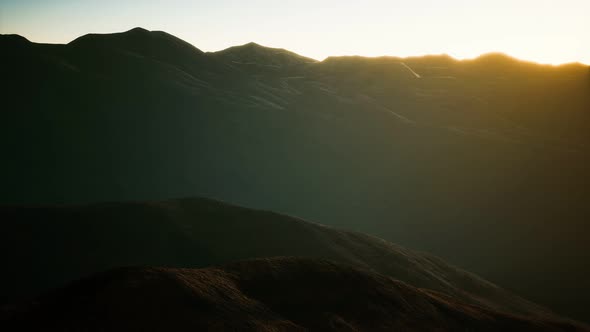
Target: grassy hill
286, 294
46, 247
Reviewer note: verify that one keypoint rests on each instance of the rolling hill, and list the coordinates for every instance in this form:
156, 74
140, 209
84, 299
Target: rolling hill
376, 282
279, 294
45, 247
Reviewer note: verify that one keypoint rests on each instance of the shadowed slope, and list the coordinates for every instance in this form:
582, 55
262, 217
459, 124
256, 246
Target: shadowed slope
286, 294
66, 243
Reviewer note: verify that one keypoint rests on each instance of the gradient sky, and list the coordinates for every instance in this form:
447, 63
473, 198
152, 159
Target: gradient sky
546, 31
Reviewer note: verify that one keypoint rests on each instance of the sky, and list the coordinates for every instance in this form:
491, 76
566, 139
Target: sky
545, 31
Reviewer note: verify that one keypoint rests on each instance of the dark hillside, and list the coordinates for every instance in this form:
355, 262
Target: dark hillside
286, 294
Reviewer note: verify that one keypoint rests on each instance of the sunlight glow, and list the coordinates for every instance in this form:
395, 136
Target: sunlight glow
545, 31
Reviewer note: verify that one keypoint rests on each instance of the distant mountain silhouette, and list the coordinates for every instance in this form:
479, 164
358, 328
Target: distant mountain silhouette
483, 162
286, 294
140, 41
257, 55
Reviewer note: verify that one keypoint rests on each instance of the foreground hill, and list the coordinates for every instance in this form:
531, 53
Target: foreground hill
483, 162
279, 294
45, 247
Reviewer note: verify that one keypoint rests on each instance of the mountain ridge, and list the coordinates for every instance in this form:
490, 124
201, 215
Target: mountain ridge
200, 232
131, 37
260, 295
255, 54
145, 32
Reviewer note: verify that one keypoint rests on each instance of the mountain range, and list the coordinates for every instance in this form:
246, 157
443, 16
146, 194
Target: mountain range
483, 161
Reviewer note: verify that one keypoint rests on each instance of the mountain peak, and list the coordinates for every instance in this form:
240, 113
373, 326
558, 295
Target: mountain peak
138, 30
151, 44
496, 56
253, 44
14, 40
255, 54
134, 39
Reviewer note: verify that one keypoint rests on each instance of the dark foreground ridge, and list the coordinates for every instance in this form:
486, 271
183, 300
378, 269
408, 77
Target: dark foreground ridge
45, 247
278, 294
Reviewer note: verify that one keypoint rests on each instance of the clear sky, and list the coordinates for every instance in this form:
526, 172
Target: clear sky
546, 31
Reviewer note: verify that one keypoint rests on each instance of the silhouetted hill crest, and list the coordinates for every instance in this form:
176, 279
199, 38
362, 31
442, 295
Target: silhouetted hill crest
194, 232
13, 43
155, 44
13, 38
256, 54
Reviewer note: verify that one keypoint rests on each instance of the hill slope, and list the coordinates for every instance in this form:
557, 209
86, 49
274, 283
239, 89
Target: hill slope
284, 294
45, 247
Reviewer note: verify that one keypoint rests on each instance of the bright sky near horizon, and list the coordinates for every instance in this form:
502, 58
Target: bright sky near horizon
546, 31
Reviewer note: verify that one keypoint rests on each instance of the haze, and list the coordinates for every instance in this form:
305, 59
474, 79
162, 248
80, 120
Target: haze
543, 31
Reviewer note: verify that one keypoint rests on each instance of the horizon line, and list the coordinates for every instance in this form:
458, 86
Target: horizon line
443, 54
